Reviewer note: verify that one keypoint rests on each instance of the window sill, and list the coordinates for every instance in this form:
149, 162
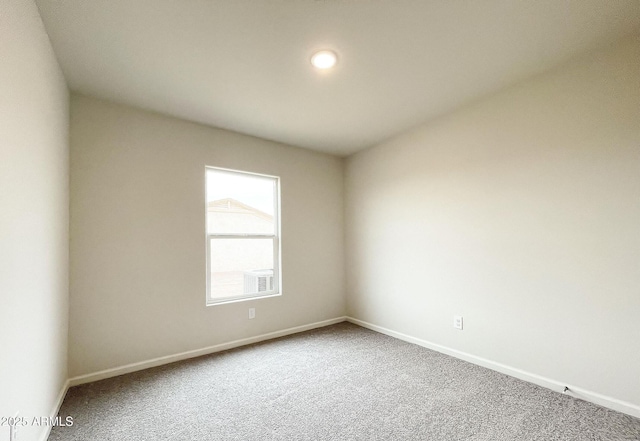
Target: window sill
240, 299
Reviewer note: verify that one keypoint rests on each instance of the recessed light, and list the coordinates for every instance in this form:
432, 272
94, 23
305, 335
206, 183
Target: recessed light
324, 59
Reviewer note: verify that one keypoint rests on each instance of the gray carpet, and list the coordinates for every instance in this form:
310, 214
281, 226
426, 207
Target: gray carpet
341, 383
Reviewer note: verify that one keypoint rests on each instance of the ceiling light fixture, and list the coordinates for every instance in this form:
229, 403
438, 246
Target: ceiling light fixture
324, 59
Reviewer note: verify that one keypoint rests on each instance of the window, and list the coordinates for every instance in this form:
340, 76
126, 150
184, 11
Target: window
243, 235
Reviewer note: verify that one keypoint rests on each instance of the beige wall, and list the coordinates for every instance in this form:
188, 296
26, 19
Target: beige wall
33, 218
520, 213
138, 225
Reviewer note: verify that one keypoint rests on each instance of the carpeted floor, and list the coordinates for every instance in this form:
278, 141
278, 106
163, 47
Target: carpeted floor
338, 383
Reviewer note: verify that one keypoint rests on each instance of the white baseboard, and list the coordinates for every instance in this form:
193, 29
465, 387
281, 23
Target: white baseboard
133, 367
54, 412
558, 386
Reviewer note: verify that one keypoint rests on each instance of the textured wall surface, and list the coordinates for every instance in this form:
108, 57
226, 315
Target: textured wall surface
521, 214
138, 236
34, 219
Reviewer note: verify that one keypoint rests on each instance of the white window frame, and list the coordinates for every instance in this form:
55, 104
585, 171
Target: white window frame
277, 280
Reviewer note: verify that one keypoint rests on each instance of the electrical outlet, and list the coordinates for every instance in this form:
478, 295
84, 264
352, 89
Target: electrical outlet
457, 322
252, 313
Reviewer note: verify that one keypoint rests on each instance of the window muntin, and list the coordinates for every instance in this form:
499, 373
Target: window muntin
243, 243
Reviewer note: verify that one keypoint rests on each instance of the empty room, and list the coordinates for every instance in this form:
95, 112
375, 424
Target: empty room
319, 220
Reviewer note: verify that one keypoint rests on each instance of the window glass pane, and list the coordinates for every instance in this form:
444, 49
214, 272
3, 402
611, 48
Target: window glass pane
241, 266
240, 203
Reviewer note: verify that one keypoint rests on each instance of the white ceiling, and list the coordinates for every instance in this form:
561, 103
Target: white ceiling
244, 65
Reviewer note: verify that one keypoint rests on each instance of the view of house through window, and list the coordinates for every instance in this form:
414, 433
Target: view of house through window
243, 243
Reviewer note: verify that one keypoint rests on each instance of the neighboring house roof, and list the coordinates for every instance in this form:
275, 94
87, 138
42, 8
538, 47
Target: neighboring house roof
230, 205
